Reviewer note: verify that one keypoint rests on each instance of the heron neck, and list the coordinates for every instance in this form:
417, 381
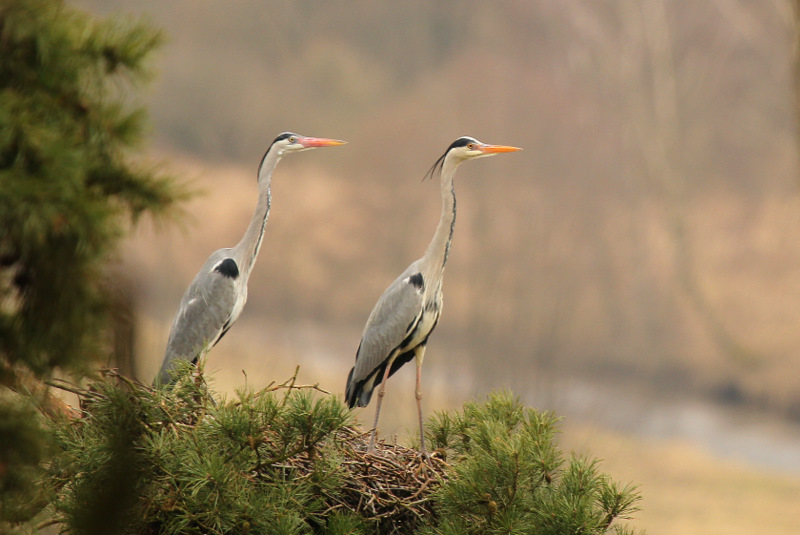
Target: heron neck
439, 248
250, 244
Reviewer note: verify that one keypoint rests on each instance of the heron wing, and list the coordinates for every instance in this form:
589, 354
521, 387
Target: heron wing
393, 318
209, 307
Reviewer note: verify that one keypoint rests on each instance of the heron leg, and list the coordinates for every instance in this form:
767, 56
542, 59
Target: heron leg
420, 353
381, 393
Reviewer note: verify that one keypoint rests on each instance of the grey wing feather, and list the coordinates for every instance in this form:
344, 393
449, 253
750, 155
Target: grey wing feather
207, 309
388, 324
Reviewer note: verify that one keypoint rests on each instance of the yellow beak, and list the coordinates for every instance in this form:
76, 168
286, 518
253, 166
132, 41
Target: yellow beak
496, 148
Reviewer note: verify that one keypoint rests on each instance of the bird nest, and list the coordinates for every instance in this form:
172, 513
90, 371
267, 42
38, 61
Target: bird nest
393, 486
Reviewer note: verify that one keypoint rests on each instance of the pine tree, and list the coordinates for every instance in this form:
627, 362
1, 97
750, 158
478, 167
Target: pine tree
67, 185
68, 189
288, 460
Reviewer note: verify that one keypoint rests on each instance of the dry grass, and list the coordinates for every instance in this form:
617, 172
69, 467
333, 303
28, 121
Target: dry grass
686, 490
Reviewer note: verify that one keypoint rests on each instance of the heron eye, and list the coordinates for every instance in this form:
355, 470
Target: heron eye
470, 146
292, 140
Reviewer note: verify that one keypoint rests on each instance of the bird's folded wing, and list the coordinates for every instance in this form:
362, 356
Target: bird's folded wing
393, 318
205, 313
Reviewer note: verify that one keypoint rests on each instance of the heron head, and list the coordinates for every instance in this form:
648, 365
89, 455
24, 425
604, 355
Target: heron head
467, 148
289, 142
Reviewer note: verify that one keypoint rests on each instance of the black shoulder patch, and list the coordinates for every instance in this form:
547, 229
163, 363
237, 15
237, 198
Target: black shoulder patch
228, 268
417, 280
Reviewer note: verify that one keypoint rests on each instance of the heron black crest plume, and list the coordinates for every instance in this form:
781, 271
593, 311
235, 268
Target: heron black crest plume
436, 168
281, 137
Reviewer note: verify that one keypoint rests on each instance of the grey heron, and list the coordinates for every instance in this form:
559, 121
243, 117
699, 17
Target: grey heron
398, 328
216, 296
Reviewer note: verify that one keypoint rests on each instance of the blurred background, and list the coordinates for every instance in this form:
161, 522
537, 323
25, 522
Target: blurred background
636, 269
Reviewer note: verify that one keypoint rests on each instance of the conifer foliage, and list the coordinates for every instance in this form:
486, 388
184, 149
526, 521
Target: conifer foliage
288, 460
68, 189
67, 185
508, 476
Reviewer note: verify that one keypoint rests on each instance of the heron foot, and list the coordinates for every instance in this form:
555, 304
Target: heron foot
426, 456
372, 439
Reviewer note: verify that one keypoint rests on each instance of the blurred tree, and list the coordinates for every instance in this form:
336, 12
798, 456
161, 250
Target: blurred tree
67, 188
66, 185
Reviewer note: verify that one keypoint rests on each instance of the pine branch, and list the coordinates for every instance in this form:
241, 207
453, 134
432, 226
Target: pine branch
289, 453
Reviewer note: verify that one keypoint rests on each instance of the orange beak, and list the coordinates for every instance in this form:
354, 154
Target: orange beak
493, 149
309, 142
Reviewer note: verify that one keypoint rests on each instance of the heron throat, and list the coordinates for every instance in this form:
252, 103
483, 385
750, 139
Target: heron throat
439, 249
247, 249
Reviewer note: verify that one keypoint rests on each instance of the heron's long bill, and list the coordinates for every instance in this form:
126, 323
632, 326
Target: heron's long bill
497, 148
309, 142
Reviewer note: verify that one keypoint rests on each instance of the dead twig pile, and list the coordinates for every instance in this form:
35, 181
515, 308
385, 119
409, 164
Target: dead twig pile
393, 487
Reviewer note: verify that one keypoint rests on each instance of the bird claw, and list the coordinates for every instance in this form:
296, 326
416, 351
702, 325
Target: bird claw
425, 465
426, 457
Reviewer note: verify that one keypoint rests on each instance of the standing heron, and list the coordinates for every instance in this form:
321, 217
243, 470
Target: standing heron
217, 294
405, 315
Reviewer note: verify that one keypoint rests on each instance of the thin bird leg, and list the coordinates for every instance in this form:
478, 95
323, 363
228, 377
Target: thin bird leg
381, 393
420, 353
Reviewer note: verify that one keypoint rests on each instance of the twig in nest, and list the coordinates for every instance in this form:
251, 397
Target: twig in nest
73, 389
291, 384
